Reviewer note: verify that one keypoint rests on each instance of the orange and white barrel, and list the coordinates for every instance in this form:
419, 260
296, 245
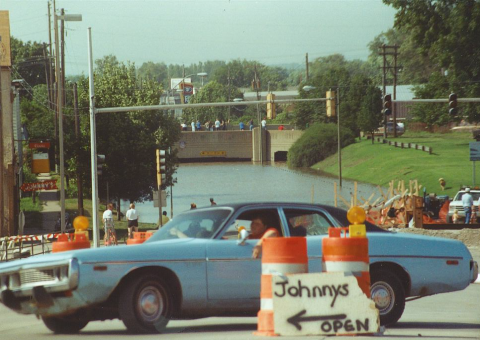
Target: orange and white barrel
280, 256
348, 255
80, 241
139, 237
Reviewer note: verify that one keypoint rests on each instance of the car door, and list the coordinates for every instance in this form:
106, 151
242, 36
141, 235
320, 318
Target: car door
232, 274
312, 223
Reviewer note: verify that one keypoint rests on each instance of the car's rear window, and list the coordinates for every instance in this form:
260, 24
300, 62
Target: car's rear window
341, 216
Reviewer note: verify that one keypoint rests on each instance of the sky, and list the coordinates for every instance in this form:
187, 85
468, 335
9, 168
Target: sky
272, 32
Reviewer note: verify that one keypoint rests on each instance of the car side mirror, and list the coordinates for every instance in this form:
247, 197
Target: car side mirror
242, 236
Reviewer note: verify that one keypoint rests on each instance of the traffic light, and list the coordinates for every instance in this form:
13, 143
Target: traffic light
452, 104
330, 103
387, 105
161, 169
100, 164
271, 106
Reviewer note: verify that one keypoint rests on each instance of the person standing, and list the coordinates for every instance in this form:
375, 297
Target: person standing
217, 125
193, 126
108, 223
250, 123
132, 220
467, 202
198, 126
264, 123
241, 126
207, 125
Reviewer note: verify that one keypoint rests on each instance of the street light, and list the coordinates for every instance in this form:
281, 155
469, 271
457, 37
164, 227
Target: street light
308, 88
64, 17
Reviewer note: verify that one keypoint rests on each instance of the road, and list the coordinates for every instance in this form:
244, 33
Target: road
445, 316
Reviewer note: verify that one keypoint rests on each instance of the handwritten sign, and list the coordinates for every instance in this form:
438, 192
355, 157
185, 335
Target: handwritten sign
45, 185
326, 303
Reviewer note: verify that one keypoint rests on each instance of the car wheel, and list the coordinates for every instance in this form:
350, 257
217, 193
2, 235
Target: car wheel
64, 325
145, 305
389, 296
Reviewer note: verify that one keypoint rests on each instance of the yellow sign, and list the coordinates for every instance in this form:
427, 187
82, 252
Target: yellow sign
213, 153
4, 39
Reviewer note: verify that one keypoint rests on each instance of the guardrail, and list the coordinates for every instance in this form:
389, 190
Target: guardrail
16, 247
405, 145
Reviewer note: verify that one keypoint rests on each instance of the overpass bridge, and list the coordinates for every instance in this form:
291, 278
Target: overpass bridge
236, 145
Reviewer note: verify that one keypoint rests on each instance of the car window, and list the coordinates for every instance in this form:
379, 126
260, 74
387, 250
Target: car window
193, 224
475, 195
302, 222
245, 219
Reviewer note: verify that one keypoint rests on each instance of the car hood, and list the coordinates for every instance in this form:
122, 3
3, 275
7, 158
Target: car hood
161, 250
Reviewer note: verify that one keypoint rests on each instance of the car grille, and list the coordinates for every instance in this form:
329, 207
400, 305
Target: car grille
35, 275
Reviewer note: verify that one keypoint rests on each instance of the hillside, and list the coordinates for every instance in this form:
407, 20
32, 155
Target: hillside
381, 163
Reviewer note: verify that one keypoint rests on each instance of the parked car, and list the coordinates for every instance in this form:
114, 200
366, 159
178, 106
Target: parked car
390, 125
456, 204
210, 273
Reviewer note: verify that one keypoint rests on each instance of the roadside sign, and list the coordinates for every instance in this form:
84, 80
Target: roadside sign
326, 303
45, 185
213, 153
155, 198
475, 151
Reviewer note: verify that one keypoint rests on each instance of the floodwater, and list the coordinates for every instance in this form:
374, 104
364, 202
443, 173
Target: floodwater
248, 182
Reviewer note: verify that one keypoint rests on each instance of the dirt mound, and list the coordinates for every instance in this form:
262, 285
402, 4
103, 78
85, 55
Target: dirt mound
470, 237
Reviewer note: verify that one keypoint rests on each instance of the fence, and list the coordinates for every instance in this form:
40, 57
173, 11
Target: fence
15, 247
405, 145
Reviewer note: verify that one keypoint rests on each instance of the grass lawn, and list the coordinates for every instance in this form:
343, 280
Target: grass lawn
380, 163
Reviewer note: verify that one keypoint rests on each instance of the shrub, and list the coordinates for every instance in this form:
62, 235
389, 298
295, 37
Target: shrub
317, 143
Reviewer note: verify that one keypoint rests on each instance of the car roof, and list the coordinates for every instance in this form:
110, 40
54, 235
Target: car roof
339, 214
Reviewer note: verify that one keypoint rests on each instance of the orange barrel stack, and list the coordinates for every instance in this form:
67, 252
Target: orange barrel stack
139, 237
79, 240
280, 256
349, 255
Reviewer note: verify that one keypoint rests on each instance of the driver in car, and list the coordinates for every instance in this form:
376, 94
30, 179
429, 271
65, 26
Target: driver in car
260, 231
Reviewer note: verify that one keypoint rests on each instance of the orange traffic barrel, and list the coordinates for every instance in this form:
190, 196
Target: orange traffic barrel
80, 241
139, 237
281, 256
347, 254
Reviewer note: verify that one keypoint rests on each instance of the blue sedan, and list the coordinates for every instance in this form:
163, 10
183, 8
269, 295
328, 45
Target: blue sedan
195, 266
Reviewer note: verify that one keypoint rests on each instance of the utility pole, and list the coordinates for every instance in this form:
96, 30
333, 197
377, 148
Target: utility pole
229, 99
394, 70
50, 70
77, 138
62, 56
256, 86
306, 68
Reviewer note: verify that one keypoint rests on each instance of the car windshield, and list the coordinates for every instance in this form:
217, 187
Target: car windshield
475, 195
193, 224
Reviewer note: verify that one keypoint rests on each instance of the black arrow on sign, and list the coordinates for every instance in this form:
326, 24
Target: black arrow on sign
297, 318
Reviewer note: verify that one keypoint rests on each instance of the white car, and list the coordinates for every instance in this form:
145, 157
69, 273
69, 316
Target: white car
456, 204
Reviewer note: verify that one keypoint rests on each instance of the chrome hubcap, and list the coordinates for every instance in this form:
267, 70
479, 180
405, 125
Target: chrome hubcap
383, 296
150, 304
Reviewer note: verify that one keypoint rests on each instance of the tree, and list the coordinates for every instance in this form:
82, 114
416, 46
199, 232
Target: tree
128, 140
29, 62
446, 32
370, 117
317, 143
212, 92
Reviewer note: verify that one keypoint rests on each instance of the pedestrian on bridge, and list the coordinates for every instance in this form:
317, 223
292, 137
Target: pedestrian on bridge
250, 123
217, 125
242, 126
193, 126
